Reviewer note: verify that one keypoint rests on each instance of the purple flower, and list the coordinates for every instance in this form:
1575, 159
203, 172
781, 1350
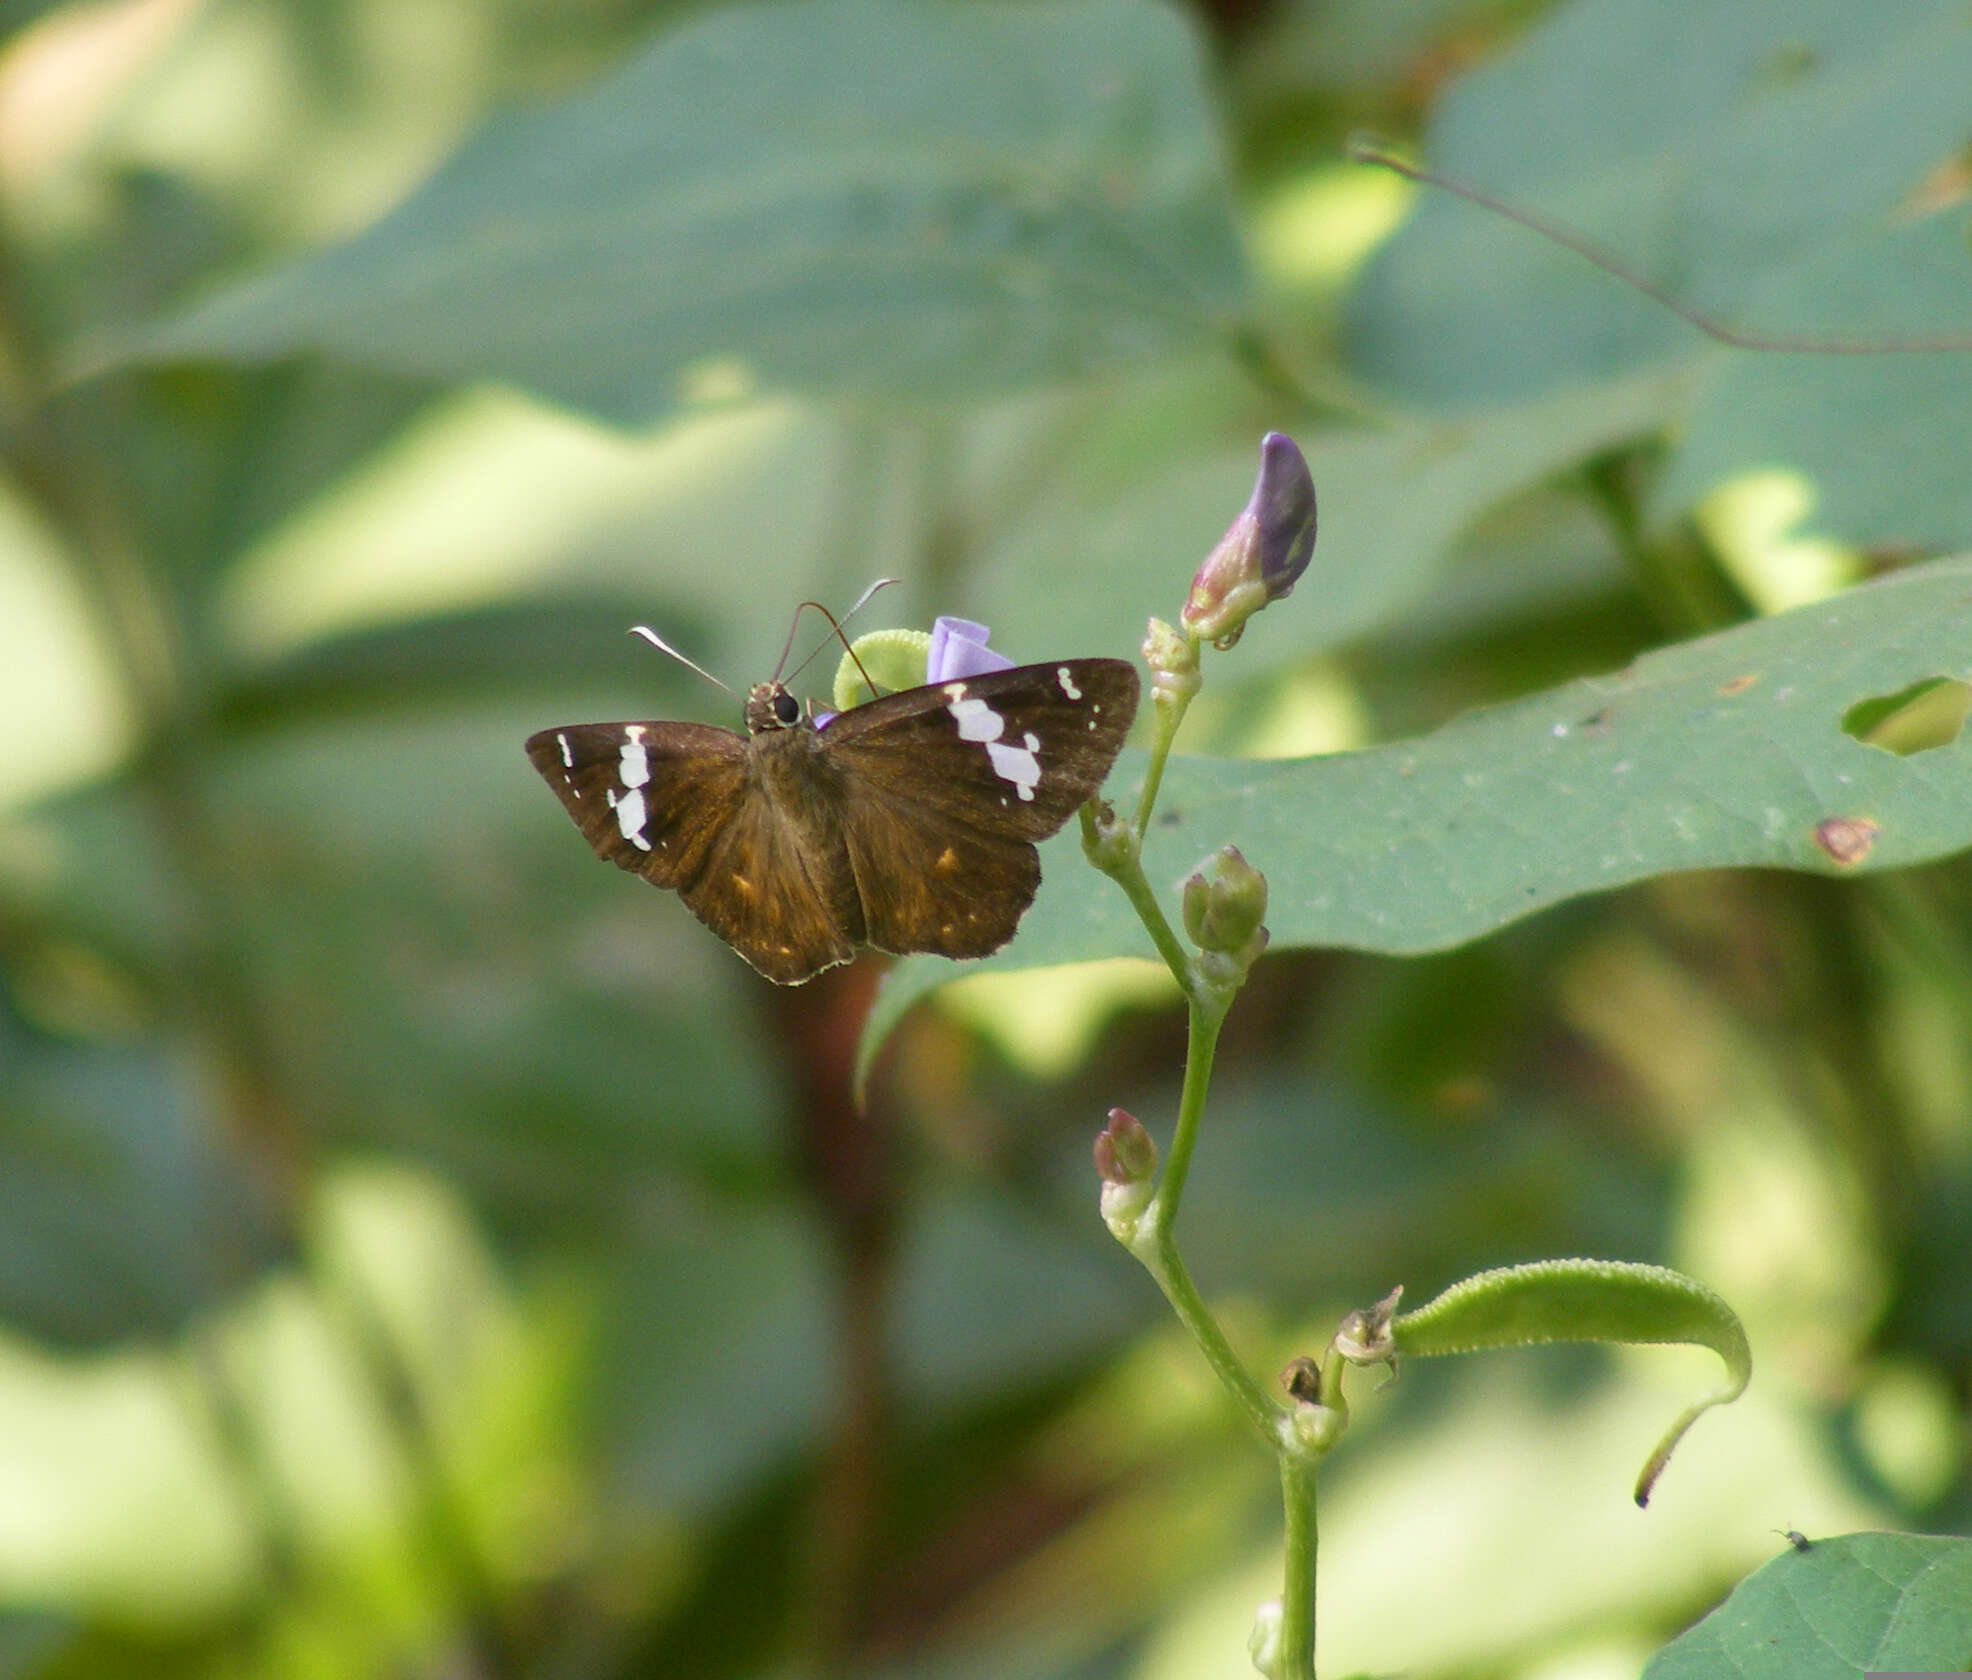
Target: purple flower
958, 649
1264, 551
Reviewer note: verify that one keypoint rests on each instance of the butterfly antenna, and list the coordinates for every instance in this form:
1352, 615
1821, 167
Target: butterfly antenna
835, 624
1365, 148
662, 646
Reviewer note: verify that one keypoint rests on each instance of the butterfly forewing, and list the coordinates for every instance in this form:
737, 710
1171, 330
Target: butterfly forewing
1012, 753
682, 805
952, 783
648, 796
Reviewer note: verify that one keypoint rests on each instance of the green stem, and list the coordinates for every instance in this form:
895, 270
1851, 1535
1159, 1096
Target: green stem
1207, 1015
1155, 1240
1157, 1251
1119, 856
1170, 706
1160, 750
1297, 1594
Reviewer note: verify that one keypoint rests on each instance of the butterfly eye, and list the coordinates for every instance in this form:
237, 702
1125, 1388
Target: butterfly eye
787, 708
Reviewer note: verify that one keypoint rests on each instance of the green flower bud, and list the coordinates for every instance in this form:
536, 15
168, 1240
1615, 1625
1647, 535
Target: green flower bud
1224, 904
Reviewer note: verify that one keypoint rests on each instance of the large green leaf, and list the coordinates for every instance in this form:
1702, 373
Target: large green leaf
1724, 752
834, 195
1884, 1603
1766, 163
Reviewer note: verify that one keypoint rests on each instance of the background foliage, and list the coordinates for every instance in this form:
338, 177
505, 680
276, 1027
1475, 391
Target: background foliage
425, 1252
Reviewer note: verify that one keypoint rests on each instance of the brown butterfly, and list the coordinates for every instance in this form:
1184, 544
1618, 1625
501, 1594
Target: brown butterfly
908, 823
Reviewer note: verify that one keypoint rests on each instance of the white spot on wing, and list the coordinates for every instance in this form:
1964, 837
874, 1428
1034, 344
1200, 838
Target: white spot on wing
630, 818
567, 752
1017, 765
1066, 678
635, 769
977, 721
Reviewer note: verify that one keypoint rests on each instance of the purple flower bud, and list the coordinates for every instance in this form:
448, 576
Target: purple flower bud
958, 649
1264, 551
1126, 1157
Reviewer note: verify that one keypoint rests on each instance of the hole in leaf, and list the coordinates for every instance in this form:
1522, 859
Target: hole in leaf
1913, 720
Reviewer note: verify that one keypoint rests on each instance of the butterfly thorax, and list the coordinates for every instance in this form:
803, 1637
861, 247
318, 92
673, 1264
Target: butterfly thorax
788, 762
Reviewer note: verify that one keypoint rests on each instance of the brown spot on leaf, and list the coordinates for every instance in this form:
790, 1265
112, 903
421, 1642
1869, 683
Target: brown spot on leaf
1847, 840
1738, 685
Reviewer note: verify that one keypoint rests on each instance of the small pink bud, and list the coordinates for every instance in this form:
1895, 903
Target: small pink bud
1125, 1152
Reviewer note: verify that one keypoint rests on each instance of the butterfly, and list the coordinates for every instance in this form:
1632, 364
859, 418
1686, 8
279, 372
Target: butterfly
907, 823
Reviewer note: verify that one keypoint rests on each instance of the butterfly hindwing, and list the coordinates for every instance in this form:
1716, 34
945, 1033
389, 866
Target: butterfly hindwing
953, 782
776, 888
929, 882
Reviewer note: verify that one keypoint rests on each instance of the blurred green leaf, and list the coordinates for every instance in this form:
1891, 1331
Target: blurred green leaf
1724, 752
1312, 1190
835, 195
1882, 1602
454, 978
121, 1213
207, 461
1768, 164
718, 1364
16, 15
991, 1299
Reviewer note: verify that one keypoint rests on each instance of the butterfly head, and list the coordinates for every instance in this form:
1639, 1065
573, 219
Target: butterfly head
770, 706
